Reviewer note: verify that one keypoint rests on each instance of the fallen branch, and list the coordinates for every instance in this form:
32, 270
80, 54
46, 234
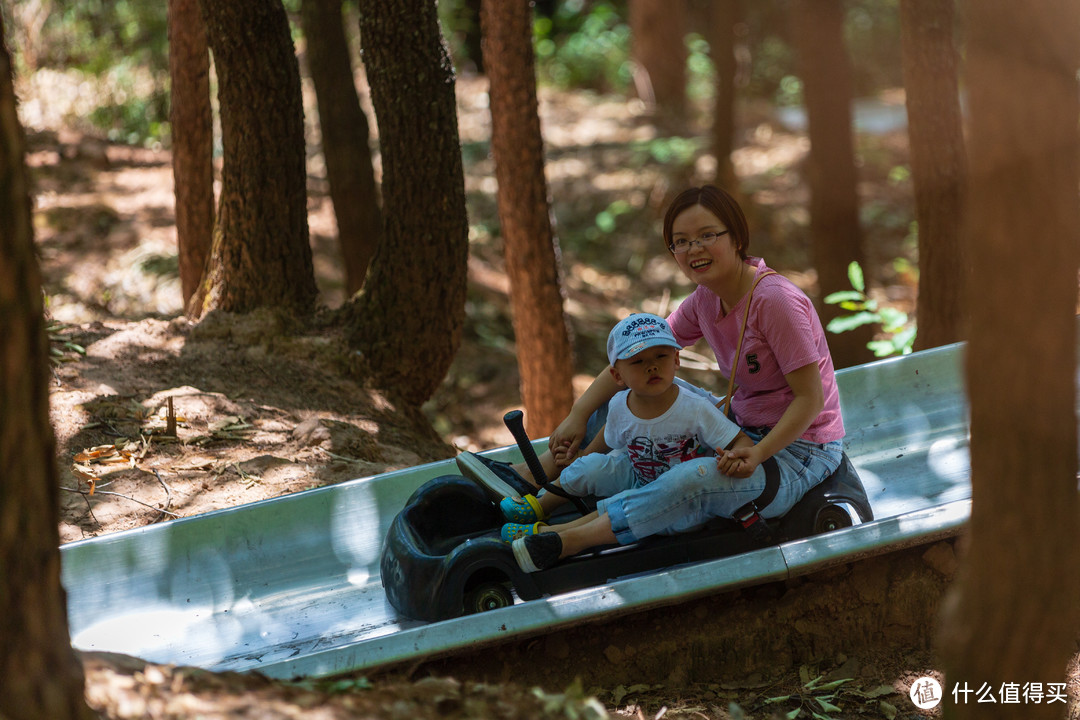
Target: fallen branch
168, 497
120, 495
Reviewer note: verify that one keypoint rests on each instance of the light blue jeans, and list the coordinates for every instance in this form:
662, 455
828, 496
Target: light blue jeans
692, 493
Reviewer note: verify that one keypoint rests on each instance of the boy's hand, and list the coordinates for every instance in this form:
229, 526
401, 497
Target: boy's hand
562, 455
739, 461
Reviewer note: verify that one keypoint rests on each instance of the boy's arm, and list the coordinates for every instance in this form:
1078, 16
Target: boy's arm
741, 440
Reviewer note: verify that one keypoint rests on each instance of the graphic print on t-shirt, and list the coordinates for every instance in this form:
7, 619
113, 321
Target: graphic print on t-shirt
652, 459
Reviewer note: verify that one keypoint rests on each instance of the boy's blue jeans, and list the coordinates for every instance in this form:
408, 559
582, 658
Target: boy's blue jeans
692, 493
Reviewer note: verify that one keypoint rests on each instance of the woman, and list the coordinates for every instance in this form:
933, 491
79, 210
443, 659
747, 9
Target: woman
786, 398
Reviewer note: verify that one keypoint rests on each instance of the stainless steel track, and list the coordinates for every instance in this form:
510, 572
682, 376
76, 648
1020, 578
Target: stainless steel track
290, 587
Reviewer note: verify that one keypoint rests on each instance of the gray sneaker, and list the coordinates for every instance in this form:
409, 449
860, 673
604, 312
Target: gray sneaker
498, 479
537, 552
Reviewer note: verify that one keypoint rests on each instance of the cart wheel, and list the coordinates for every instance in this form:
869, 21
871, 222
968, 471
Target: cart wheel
831, 517
487, 596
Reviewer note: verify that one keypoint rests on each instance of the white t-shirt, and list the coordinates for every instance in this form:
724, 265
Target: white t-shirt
691, 428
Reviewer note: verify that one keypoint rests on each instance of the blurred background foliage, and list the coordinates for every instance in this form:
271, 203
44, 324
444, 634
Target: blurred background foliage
122, 46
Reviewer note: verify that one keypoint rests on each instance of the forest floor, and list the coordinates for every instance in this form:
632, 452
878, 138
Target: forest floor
263, 406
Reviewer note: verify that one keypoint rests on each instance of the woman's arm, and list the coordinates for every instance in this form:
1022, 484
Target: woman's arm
807, 403
571, 431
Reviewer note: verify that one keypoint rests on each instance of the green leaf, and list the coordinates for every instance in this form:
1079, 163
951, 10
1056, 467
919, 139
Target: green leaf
844, 296
888, 710
826, 705
605, 221
794, 713
905, 339
850, 322
892, 319
777, 699
855, 276
881, 348
834, 684
347, 685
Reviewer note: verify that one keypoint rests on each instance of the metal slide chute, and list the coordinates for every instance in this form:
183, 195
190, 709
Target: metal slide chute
291, 586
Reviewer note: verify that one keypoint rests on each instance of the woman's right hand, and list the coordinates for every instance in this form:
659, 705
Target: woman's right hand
566, 439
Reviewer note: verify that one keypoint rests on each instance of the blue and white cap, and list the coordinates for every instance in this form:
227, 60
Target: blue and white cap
637, 332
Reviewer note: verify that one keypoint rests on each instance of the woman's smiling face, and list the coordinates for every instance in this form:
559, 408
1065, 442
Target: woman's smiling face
704, 264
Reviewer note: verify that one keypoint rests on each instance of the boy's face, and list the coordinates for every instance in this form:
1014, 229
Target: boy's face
650, 372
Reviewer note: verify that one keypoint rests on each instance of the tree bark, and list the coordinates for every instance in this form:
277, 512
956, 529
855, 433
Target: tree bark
408, 321
532, 250
830, 168
41, 676
724, 15
192, 139
658, 43
261, 256
345, 139
1013, 618
935, 130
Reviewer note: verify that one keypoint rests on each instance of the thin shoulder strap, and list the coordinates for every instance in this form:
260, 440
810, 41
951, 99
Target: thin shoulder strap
738, 347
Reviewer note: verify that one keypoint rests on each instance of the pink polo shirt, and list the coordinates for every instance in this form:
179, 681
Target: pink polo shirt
783, 333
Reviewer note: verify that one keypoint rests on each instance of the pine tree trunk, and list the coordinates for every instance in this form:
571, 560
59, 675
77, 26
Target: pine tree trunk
260, 255
40, 676
408, 321
723, 16
936, 135
192, 140
532, 251
658, 41
834, 204
345, 139
1014, 617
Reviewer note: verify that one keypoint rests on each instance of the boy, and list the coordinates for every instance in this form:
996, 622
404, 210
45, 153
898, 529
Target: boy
651, 427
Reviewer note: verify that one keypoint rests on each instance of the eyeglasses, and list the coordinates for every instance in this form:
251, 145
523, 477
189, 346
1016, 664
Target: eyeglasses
682, 245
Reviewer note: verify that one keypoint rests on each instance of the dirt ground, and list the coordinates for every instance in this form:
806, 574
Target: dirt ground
158, 418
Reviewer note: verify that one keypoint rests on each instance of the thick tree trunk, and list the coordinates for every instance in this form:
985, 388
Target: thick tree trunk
260, 256
408, 321
192, 139
658, 42
532, 252
834, 202
39, 674
345, 139
1014, 617
936, 135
